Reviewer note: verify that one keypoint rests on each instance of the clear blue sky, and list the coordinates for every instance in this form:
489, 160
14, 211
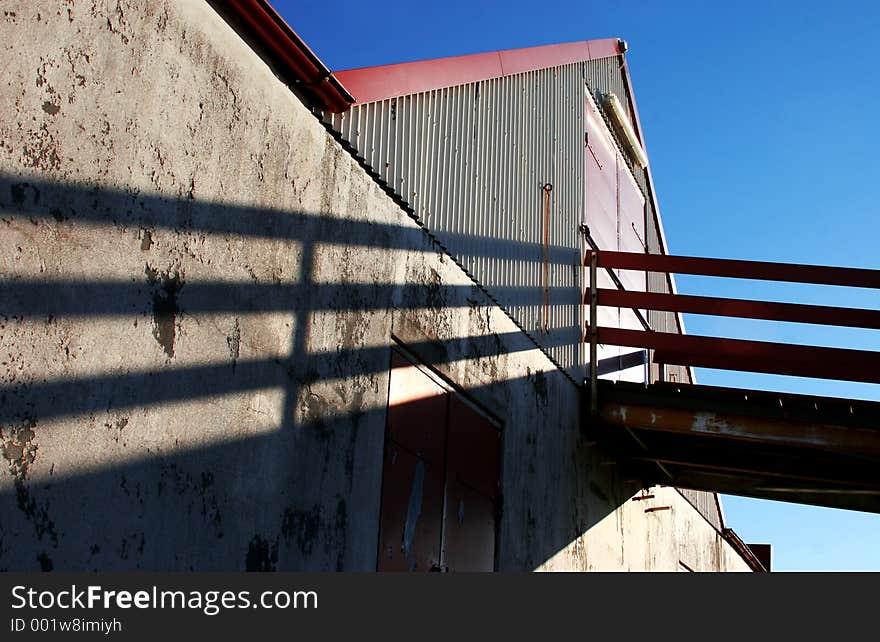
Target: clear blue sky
761, 123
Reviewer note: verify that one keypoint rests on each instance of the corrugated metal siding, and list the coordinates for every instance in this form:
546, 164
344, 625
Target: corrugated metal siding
605, 76
705, 503
471, 162
662, 321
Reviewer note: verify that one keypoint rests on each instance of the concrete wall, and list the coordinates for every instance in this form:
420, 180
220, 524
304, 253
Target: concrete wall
658, 530
199, 290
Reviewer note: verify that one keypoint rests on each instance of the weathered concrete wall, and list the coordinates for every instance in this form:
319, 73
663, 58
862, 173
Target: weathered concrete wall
199, 292
657, 533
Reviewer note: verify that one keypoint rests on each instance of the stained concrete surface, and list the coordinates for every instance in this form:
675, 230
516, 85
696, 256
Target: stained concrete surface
200, 290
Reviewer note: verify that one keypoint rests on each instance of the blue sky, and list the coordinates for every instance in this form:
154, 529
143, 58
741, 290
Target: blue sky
760, 121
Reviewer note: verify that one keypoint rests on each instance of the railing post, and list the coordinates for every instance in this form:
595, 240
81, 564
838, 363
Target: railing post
594, 334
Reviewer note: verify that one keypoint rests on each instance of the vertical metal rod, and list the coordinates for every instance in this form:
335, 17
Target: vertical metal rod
594, 335
546, 279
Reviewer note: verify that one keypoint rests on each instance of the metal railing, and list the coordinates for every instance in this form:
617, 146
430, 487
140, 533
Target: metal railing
734, 354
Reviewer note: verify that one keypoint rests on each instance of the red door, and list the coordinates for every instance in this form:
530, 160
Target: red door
440, 478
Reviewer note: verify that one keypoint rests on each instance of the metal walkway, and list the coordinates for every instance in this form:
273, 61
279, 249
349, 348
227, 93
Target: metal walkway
796, 448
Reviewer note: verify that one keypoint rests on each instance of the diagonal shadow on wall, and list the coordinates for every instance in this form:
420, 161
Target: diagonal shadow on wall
299, 493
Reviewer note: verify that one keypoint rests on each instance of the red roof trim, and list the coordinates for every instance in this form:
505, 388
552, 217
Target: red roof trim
290, 53
389, 81
747, 554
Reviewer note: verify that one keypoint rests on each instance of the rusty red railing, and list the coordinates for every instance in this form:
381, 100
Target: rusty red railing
735, 354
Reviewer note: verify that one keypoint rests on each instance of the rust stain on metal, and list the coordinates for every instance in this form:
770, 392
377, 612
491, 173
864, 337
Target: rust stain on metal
742, 427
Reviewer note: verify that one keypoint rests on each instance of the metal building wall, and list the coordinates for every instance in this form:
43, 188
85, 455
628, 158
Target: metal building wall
471, 161
706, 504
662, 321
603, 76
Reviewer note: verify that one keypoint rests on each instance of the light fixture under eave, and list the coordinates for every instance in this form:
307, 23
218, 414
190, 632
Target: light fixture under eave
621, 122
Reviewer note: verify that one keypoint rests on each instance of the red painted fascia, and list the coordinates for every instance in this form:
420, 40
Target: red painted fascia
389, 81
290, 53
744, 551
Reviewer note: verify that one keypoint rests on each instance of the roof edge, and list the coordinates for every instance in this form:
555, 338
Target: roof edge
744, 551
287, 51
369, 84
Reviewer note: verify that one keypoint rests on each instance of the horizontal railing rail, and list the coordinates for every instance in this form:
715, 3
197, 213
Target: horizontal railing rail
735, 268
842, 364
750, 356
742, 308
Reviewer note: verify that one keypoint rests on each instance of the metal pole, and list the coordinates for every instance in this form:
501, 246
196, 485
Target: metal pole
594, 335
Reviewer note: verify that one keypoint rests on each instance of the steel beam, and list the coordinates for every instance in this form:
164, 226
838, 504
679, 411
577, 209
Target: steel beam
717, 425
762, 488
809, 409
781, 463
793, 312
760, 270
750, 356
746, 442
